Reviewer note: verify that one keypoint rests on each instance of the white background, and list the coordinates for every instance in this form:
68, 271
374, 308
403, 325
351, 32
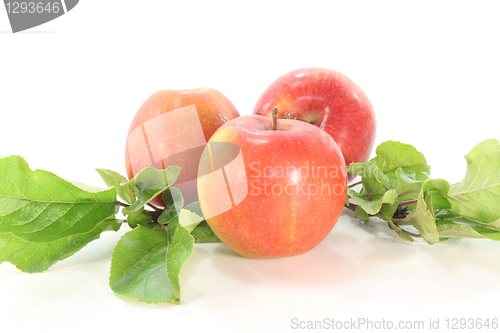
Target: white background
69, 89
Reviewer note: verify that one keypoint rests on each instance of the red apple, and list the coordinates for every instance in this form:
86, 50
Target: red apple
172, 128
271, 193
329, 100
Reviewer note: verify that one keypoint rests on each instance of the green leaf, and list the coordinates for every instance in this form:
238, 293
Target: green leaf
448, 229
372, 207
37, 206
392, 155
140, 217
488, 233
172, 197
204, 234
146, 263
167, 216
191, 216
33, 257
374, 181
446, 215
387, 211
439, 190
422, 218
149, 183
361, 214
407, 186
461, 230
114, 179
477, 196
356, 168
174, 202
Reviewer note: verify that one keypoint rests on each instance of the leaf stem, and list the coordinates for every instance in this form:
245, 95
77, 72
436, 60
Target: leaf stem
408, 192
122, 204
393, 224
407, 203
154, 207
355, 184
411, 234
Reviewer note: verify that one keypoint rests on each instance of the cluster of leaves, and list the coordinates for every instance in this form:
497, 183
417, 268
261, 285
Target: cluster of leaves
396, 187
45, 219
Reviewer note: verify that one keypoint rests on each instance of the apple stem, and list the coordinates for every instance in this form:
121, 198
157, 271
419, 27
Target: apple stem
289, 116
274, 112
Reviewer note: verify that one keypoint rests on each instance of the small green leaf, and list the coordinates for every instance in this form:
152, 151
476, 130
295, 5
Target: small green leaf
392, 155
149, 183
190, 216
140, 217
204, 234
372, 207
356, 169
407, 186
168, 216
173, 205
422, 218
361, 214
374, 181
114, 179
172, 197
146, 263
387, 211
439, 190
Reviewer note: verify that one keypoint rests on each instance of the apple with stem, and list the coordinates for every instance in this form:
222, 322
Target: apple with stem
329, 100
171, 128
271, 188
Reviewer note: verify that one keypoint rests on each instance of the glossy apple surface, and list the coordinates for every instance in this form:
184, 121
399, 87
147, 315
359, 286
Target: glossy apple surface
329, 100
172, 128
280, 194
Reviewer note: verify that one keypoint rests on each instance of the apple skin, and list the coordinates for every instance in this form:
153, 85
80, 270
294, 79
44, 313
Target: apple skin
213, 110
329, 100
267, 223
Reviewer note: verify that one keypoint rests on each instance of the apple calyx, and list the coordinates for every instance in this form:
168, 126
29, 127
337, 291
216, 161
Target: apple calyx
289, 116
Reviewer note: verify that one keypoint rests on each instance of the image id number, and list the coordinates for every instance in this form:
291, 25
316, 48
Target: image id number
471, 323
32, 7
